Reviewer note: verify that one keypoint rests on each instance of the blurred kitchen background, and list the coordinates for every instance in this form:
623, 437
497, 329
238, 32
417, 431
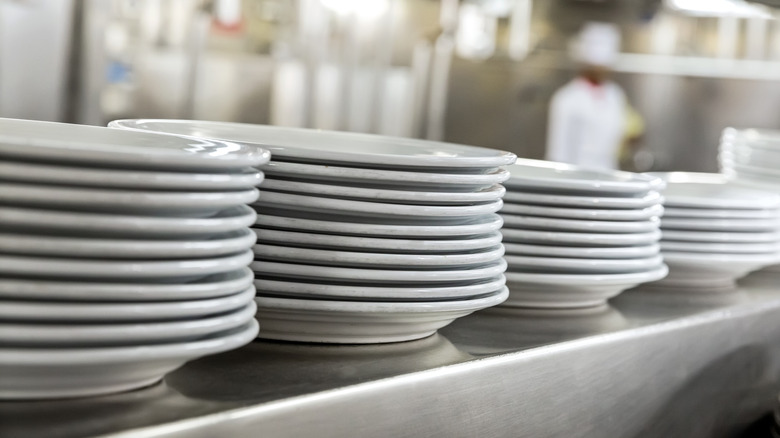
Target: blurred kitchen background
479, 72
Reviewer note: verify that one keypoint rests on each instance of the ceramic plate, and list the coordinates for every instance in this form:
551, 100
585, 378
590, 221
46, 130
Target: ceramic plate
712, 213
114, 225
696, 269
371, 209
117, 334
331, 241
698, 224
572, 290
35, 373
124, 200
581, 265
61, 142
584, 213
712, 248
580, 239
719, 237
551, 176
217, 285
694, 190
543, 223
299, 272
362, 176
127, 269
131, 179
384, 194
295, 144
374, 259
357, 322
648, 200
322, 290
342, 225
621, 252
55, 245
55, 311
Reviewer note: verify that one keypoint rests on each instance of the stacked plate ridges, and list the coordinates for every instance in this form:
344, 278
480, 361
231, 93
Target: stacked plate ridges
122, 256
575, 238
368, 239
715, 231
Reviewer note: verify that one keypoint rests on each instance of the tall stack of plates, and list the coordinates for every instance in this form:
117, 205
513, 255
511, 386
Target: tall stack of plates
715, 232
575, 238
122, 255
368, 239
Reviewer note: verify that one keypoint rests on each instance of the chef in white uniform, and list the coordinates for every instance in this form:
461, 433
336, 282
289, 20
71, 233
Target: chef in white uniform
587, 115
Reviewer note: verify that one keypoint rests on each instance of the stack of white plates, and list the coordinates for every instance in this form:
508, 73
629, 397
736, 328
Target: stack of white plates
575, 238
751, 157
367, 239
715, 232
122, 255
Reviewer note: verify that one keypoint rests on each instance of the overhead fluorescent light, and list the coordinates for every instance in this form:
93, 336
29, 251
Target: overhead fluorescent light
720, 8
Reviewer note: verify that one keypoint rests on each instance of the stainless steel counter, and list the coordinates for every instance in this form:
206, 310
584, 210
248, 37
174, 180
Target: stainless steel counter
654, 363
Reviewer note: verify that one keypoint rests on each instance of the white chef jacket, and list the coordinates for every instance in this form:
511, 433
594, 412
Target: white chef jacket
586, 124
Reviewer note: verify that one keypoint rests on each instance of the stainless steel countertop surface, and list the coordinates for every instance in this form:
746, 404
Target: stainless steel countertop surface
653, 363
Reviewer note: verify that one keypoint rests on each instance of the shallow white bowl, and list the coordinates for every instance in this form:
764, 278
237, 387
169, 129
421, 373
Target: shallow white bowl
721, 237
551, 176
601, 214
556, 200
696, 269
723, 248
295, 144
321, 290
572, 290
712, 213
382, 244
726, 225
379, 260
35, 373
564, 265
579, 239
584, 252
707, 190
383, 227
544, 223
358, 322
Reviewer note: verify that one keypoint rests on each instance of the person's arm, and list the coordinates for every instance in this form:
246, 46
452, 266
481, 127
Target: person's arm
559, 126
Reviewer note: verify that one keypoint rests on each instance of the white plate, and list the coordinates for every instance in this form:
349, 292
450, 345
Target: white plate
332, 241
126, 178
41, 311
700, 224
56, 245
117, 334
572, 290
35, 373
297, 144
729, 248
61, 142
753, 155
543, 223
385, 193
371, 209
230, 219
711, 213
584, 213
355, 175
551, 176
580, 239
581, 265
695, 269
217, 285
719, 237
764, 172
119, 269
359, 322
374, 259
706, 190
306, 221
298, 272
648, 200
268, 287
124, 200
623, 252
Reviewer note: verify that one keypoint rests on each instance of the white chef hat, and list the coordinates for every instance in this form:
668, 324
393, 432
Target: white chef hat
597, 44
